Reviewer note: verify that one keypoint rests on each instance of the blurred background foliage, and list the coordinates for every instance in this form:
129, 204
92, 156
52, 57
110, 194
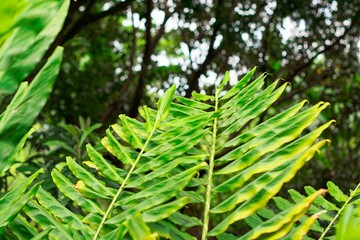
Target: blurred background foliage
120, 54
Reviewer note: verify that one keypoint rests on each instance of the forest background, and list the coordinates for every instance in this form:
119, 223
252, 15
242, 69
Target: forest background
119, 55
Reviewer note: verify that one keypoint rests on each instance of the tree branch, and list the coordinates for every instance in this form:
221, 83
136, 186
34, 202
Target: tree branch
146, 60
68, 32
87, 18
150, 45
193, 80
114, 107
308, 63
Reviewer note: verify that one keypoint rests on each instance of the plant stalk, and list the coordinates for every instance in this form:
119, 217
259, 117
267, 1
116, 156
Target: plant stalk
339, 212
122, 186
205, 228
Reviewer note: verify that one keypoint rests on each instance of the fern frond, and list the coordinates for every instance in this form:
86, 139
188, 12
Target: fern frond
160, 157
321, 217
252, 166
207, 153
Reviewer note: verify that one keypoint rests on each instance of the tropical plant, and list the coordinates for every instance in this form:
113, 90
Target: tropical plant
348, 225
23, 42
327, 211
70, 139
208, 153
25, 34
48, 146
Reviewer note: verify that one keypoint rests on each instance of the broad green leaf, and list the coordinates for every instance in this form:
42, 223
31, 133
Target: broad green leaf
257, 194
176, 127
104, 166
240, 85
67, 188
88, 192
11, 212
164, 169
245, 101
92, 219
175, 144
87, 132
194, 196
264, 185
268, 143
9, 11
321, 201
118, 233
138, 229
129, 133
171, 153
165, 210
224, 81
163, 105
145, 113
271, 161
88, 178
297, 197
252, 109
173, 183
242, 97
180, 111
36, 28
253, 221
169, 231
59, 211
226, 236
200, 97
277, 224
21, 113
43, 234
300, 231
265, 126
194, 104
282, 203
335, 192
60, 144
14, 195
115, 148
45, 219
184, 220
348, 226
156, 194
21, 228
72, 129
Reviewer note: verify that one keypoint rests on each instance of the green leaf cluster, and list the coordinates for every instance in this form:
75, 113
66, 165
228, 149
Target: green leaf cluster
208, 153
25, 34
323, 214
21, 50
179, 156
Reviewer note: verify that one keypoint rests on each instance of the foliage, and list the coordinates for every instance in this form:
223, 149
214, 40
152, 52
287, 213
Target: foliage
27, 37
180, 156
313, 45
21, 50
24, 38
47, 148
324, 211
21, 113
201, 167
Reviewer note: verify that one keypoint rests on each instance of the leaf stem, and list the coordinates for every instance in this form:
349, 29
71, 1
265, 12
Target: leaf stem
339, 212
122, 186
205, 228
